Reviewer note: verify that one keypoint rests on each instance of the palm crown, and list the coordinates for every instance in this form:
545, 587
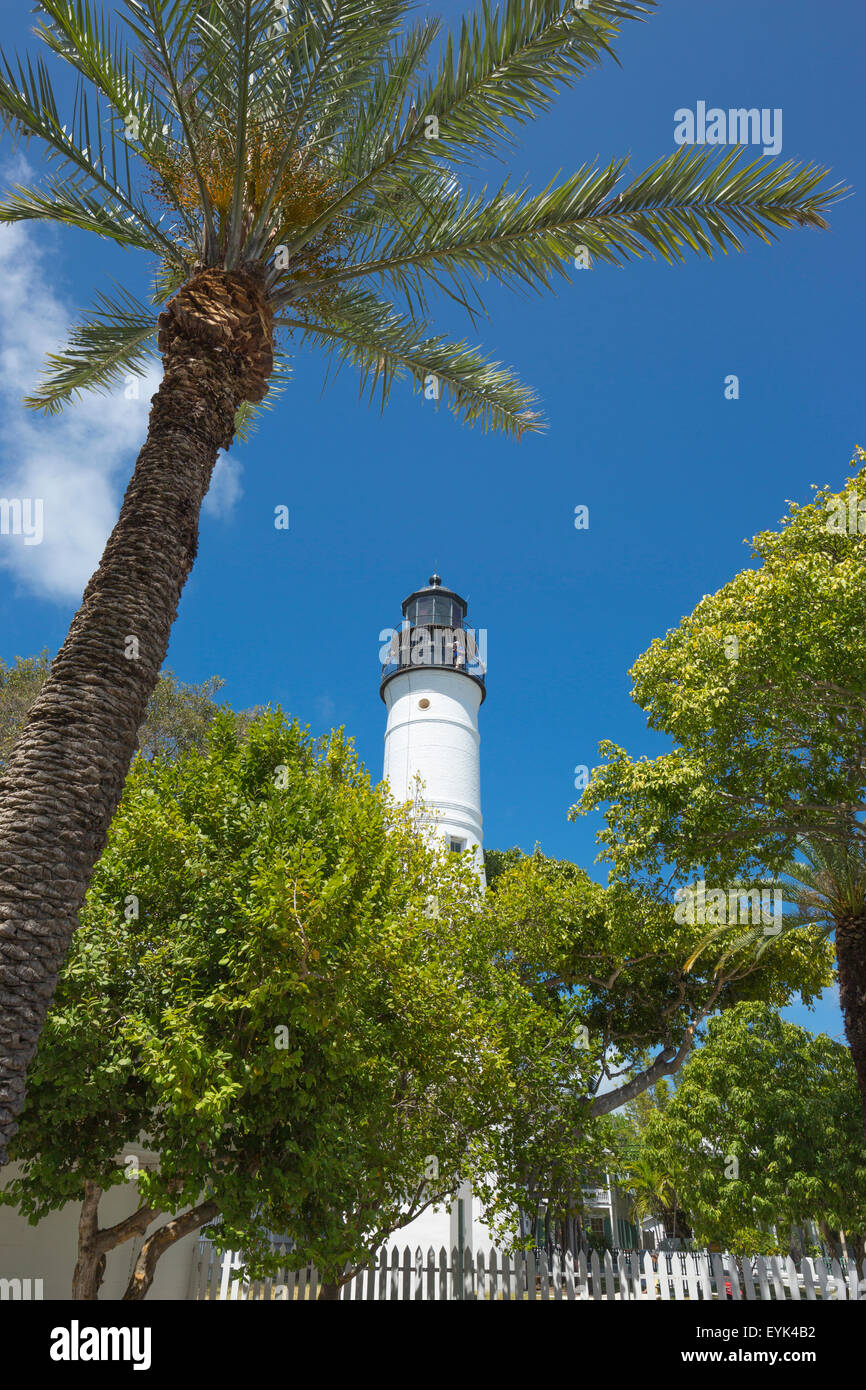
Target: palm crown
318, 147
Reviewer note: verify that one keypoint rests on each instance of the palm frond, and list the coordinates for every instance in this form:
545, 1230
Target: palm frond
116, 340
386, 347
166, 34
325, 98
519, 240
28, 98
248, 413
506, 67
688, 201
66, 201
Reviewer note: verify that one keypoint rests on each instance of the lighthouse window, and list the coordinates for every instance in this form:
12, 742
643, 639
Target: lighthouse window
457, 846
435, 610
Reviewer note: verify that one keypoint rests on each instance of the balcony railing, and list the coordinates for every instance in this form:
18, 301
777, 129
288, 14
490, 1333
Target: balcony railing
445, 648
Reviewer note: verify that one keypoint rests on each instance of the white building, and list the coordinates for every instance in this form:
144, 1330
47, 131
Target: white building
433, 685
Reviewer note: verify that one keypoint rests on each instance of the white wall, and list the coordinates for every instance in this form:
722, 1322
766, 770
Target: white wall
48, 1250
440, 744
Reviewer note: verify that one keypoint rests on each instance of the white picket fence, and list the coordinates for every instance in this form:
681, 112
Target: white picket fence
525, 1275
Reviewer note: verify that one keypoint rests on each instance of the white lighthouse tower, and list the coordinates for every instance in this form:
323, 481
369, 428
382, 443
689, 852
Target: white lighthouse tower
433, 684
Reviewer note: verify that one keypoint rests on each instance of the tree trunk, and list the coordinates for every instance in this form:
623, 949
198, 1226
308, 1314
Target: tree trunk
831, 1239
329, 1293
156, 1245
65, 776
94, 1244
90, 1265
851, 963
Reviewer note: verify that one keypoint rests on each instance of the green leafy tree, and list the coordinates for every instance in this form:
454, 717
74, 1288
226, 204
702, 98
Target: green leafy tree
650, 1191
178, 716
301, 1010
291, 167
763, 1132
620, 963
763, 691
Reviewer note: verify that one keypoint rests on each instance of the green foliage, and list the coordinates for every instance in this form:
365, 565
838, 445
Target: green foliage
178, 714
763, 691
618, 961
298, 1004
19, 686
763, 1130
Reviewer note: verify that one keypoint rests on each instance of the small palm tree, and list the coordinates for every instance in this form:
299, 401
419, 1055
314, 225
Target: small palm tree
652, 1195
291, 168
825, 887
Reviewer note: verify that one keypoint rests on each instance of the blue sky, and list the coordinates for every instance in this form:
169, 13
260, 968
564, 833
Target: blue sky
630, 365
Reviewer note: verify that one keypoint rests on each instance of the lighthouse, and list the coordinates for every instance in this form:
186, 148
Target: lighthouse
433, 684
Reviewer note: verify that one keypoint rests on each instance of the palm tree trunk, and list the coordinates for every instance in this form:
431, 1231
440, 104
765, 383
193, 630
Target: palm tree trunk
851, 963
65, 776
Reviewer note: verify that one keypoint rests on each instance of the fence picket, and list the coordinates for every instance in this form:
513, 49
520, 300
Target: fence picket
838, 1279
691, 1279
544, 1277
853, 1280
595, 1266
443, 1273
569, 1276
480, 1278
808, 1280
761, 1266
557, 1275
776, 1276
494, 1277
749, 1279
506, 1277
527, 1265
468, 1274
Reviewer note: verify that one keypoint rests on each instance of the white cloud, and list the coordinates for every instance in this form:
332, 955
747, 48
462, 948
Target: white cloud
225, 487
80, 462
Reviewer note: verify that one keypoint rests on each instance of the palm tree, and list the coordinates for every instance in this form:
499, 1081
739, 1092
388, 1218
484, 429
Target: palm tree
290, 166
826, 888
651, 1194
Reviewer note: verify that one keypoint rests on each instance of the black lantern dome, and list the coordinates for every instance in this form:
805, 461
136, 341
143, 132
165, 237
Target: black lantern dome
435, 606
434, 636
